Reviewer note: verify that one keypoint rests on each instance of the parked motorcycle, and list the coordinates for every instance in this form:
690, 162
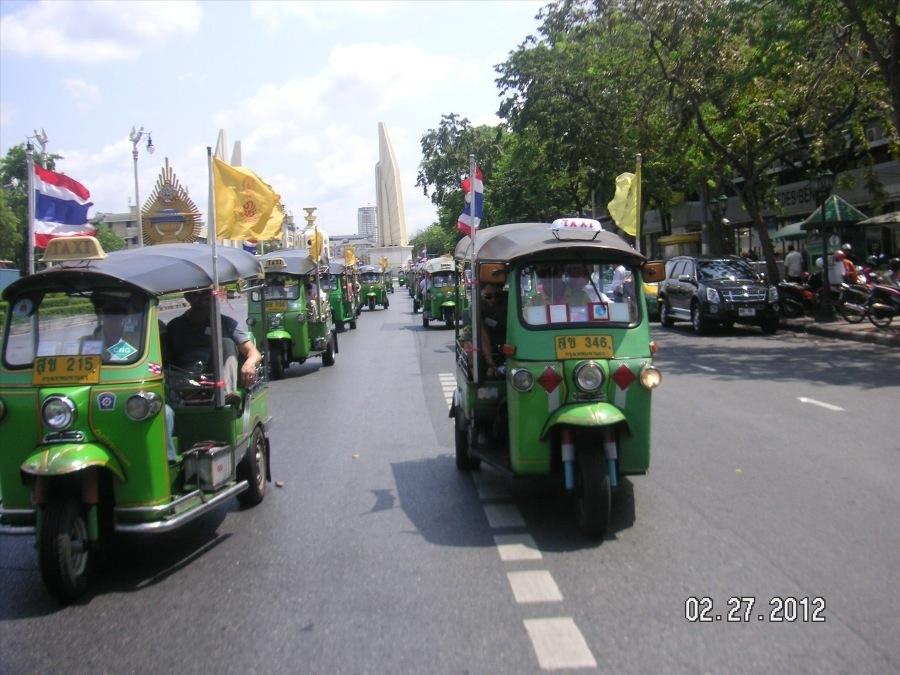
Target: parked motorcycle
882, 305
796, 299
851, 302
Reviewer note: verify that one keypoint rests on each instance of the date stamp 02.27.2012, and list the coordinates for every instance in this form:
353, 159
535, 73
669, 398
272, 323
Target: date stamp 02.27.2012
740, 609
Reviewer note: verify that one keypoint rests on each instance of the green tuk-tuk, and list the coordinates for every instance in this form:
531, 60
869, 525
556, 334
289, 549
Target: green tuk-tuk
553, 376
374, 290
443, 298
401, 278
337, 283
108, 425
296, 321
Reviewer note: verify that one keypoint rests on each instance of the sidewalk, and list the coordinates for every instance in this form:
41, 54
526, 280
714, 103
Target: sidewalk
841, 330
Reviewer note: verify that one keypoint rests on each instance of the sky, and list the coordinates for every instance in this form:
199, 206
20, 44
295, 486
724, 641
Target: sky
301, 85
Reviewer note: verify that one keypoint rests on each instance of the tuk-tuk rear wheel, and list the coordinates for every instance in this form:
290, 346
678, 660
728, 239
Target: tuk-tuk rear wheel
593, 493
67, 557
464, 459
253, 469
276, 361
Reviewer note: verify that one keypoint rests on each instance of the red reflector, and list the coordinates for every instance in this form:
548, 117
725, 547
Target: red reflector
549, 379
623, 377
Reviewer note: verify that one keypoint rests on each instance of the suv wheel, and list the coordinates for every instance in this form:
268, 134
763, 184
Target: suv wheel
697, 320
665, 314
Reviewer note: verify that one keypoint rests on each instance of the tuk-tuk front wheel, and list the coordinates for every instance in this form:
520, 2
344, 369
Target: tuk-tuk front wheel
254, 469
276, 361
330, 351
593, 493
372, 304
67, 557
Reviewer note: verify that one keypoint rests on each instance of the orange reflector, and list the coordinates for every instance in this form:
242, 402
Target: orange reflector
653, 347
509, 350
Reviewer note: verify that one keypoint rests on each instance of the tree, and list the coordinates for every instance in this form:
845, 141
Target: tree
108, 239
757, 83
10, 232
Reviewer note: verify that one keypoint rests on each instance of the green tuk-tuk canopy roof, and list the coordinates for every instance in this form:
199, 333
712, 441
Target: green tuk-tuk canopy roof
507, 243
157, 270
837, 212
296, 261
790, 232
336, 268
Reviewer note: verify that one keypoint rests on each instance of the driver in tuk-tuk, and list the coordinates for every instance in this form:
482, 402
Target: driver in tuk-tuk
493, 328
190, 341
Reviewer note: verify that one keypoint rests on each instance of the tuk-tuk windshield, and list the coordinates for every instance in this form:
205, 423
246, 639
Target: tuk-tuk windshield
575, 292
443, 280
282, 288
370, 277
99, 322
329, 283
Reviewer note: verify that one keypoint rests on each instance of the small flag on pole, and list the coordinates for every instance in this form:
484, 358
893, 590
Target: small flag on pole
467, 220
625, 205
60, 207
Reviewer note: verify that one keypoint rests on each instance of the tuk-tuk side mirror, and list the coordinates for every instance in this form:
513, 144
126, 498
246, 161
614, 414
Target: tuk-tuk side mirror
492, 273
653, 271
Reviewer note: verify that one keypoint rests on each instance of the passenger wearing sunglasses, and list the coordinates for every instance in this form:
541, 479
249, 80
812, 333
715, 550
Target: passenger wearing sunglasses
493, 328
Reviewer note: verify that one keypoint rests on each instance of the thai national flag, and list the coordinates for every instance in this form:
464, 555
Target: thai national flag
60, 207
466, 220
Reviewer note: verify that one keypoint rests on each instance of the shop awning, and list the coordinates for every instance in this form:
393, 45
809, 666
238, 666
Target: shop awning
837, 212
790, 232
687, 238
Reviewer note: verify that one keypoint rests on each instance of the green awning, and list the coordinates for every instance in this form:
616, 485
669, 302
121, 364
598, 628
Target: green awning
790, 232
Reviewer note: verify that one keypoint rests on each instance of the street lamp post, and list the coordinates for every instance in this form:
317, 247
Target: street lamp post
717, 206
136, 137
821, 184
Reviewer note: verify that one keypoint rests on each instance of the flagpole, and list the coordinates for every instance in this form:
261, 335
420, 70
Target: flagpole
638, 216
29, 154
476, 282
215, 324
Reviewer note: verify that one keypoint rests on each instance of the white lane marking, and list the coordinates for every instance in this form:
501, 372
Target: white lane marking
448, 385
827, 406
712, 370
490, 485
503, 515
534, 586
514, 547
559, 644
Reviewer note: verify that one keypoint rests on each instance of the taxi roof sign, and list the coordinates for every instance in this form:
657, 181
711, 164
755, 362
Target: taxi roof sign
276, 262
575, 228
68, 249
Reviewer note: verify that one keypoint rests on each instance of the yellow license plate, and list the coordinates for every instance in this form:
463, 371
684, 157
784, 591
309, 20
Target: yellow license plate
63, 370
584, 347
276, 306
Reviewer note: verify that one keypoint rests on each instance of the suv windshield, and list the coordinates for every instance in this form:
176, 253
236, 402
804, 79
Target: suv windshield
724, 269
572, 292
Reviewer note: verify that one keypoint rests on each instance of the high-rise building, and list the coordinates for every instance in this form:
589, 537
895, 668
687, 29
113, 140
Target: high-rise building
367, 221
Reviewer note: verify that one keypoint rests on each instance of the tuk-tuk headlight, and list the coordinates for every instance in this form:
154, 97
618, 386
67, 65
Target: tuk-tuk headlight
251, 321
588, 376
275, 321
522, 379
650, 377
59, 412
143, 405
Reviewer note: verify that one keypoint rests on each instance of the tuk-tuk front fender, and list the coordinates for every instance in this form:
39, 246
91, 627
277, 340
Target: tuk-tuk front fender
64, 458
278, 335
593, 414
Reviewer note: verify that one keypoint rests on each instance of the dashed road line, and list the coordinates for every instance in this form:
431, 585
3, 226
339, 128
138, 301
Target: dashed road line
448, 386
503, 515
559, 644
534, 586
514, 547
827, 406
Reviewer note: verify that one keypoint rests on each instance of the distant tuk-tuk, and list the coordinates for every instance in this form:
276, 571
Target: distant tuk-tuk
339, 286
107, 425
443, 300
401, 278
296, 323
388, 280
554, 376
374, 290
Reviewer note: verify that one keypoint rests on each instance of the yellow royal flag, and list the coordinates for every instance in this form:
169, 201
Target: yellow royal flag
246, 206
350, 255
624, 206
315, 246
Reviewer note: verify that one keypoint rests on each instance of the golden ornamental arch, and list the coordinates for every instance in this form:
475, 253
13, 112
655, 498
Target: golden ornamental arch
170, 215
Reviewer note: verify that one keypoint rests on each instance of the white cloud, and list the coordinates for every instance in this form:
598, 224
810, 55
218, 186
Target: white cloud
318, 14
84, 94
94, 32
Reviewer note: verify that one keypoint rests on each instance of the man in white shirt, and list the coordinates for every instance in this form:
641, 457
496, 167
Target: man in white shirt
793, 265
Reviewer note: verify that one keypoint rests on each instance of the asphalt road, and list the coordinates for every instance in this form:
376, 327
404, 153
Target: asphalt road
771, 480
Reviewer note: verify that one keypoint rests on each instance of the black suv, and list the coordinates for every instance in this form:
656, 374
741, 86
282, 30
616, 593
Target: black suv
723, 290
